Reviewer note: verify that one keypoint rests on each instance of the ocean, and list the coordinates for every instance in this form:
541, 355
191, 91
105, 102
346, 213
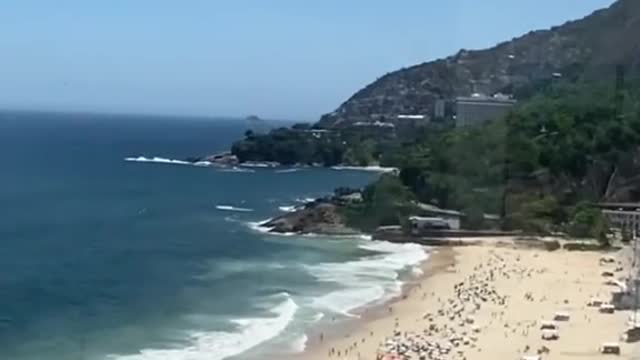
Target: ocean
104, 258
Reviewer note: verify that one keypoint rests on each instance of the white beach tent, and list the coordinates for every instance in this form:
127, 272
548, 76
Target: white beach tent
550, 335
561, 316
531, 357
610, 348
607, 309
548, 325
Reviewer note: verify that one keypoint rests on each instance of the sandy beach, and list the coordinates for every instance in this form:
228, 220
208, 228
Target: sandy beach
488, 302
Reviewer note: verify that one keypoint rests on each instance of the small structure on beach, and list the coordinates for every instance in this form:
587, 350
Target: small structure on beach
622, 216
561, 316
421, 224
550, 335
451, 217
595, 302
607, 309
610, 348
632, 335
531, 357
548, 325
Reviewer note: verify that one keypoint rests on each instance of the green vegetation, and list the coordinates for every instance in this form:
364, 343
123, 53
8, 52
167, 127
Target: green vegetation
589, 222
540, 167
290, 146
303, 144
385, 202
565, 147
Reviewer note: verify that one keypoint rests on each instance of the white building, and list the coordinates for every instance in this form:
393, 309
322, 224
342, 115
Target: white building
478, 108
451, 217
420, 224
623, 216
411, 117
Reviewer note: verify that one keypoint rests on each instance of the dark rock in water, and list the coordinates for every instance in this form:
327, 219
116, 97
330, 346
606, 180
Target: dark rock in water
224, 158
193, 159
320, 217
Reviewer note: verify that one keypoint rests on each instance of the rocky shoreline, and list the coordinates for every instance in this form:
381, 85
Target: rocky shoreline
319, 217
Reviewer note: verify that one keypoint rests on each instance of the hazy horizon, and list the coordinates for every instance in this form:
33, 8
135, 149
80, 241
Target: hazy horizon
283, 60
154, 115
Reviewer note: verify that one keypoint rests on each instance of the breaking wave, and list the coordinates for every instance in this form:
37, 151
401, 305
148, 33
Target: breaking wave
369, 280
305, 200
379, 169
258, 226
218, 345
157, 160
286, 171
232, 208
236, 169
299, 344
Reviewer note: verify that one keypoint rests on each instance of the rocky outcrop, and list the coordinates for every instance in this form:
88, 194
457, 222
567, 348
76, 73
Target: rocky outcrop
224, 159
592, 46
320, 217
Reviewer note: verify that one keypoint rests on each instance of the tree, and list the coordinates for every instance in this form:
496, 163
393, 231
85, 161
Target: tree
589, 222
474, 218
385, 202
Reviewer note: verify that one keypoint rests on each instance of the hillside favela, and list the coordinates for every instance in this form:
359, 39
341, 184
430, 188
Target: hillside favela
478, 204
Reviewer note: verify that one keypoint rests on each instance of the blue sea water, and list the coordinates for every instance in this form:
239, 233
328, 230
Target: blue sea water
103, 258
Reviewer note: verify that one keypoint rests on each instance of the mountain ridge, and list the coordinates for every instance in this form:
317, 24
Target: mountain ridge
590, 46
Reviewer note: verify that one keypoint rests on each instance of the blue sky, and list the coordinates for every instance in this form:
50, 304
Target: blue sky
288, 59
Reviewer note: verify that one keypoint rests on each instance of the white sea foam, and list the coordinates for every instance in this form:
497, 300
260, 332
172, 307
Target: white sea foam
236, 169
221, 345
158, 160
417, 271
299, 344
344, 301
317, 317
258, 164
368, 280
223, 268
337, 237
232, 208
286, 171
305, 200
202, 163
259, 226
366, 168
287, 208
